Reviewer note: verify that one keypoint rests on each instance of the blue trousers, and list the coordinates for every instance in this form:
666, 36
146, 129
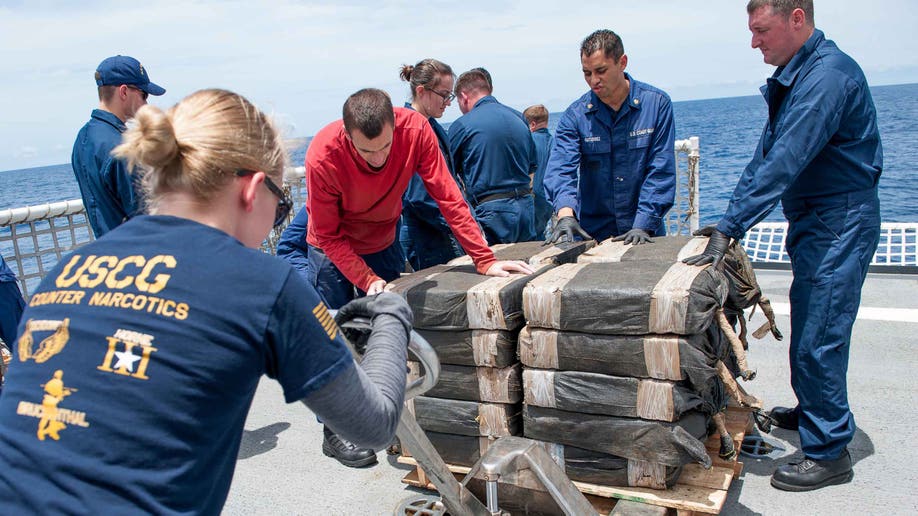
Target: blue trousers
428, 244
507, 221
831, 241
335, 289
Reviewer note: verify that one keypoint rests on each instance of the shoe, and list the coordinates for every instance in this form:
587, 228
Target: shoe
810, 474
786, 418
346, 452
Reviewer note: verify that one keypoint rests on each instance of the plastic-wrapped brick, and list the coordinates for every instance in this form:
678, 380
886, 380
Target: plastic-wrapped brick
633, 298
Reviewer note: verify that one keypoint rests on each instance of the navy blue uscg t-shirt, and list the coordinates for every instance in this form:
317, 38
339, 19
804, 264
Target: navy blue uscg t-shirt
138, 359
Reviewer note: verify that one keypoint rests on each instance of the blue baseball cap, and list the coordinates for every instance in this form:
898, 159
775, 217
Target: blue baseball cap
118, 70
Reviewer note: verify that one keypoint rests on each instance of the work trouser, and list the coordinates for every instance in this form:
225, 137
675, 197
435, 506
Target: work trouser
335, 289
428, 243
831, 241
507, 221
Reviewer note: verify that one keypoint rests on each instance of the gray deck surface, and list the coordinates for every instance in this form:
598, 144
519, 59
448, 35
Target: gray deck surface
281, 469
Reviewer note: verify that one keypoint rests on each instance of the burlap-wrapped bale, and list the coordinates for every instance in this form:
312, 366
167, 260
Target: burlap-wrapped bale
456, 297
691, 358
743, 291
670, 444
579, 464
593, 393
534, 253
663, 249
468, 417
483, 348
634, 298
459, 450
487, 384
610, 470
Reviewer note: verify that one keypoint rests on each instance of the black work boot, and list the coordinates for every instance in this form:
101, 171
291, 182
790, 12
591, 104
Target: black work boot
810, 474
786, 418
346, 452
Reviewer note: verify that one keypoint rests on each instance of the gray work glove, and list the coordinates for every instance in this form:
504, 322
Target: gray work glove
634, 236
564, 231
715, 250
385, 304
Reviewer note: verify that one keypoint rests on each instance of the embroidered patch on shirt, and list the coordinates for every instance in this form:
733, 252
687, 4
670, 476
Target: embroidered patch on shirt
640, 132
592, 139
326, 320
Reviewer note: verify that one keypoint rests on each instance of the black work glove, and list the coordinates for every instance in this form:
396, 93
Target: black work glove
634, 236
564, 231
713, 252
371, 307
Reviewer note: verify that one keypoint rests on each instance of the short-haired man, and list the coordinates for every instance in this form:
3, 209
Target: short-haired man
820, 155
106, 186
537, 118
612, 171
494, 155
357, 170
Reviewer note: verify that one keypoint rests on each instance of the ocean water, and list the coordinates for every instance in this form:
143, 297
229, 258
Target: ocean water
728, 128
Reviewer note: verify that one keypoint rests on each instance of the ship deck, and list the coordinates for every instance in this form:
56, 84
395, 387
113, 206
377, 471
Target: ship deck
281, 468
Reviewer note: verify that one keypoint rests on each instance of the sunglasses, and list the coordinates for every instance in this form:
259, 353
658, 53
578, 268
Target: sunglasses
284, 204
143, 93
445, 95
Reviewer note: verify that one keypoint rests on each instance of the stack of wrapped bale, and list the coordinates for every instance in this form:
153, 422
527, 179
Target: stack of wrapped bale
621, 361
472, 322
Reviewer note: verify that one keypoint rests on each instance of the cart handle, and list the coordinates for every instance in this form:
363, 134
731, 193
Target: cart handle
417, 346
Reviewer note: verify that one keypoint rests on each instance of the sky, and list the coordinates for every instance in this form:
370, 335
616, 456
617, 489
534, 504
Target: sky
299, 60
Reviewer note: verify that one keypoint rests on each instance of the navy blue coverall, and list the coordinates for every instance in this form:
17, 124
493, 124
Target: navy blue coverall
493, 153
106, 186
11, 304
616, 170
543, 141
820, 155
292, 246
426, 237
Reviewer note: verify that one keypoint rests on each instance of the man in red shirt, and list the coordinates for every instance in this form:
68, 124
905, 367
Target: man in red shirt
357, 170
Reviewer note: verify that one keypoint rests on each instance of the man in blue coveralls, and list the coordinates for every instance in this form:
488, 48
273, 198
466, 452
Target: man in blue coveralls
820, 155
493, 153
107, 188
537, 118
11, 304
612, 170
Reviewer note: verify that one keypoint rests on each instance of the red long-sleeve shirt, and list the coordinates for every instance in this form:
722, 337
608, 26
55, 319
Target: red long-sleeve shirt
354, 210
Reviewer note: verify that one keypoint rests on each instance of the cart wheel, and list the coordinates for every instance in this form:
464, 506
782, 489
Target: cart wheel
757, 447
421, 505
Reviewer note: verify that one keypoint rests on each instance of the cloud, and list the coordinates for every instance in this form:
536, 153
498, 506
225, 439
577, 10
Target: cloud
302, 58
26, 152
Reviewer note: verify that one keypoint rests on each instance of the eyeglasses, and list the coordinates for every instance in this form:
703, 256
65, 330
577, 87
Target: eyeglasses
284, 204
445, 95
143, 93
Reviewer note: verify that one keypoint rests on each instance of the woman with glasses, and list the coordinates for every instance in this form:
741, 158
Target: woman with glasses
426, 237
139, 355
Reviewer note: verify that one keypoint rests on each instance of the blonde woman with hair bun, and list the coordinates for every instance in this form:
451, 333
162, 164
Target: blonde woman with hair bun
172, 318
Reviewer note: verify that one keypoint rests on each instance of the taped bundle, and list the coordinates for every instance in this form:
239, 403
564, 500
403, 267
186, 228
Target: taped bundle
487, 384
691, 358
669, 444
633, 298
482, 348
456, 297
535, 253
468, 417
592, 393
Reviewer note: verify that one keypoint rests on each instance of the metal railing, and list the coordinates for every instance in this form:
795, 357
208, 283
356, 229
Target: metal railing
764, 243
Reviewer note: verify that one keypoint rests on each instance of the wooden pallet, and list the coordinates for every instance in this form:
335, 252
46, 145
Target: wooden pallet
698, 491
